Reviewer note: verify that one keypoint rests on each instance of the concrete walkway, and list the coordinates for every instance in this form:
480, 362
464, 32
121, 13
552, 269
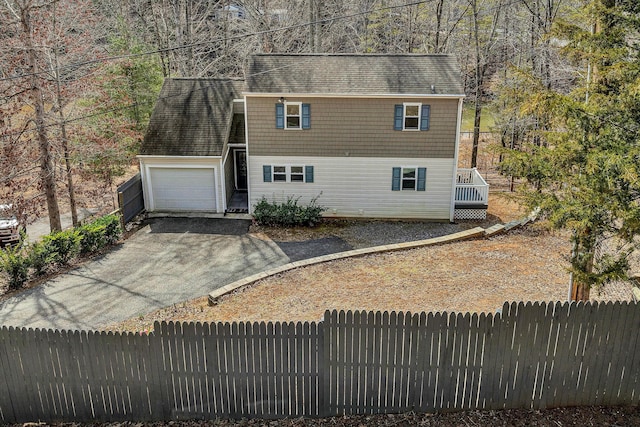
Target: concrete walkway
168, 261
40, 227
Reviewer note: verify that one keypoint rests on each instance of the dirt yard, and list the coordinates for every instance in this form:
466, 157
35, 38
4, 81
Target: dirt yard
587, 416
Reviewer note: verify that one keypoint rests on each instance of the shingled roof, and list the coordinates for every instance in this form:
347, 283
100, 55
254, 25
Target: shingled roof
354, 74
192, 117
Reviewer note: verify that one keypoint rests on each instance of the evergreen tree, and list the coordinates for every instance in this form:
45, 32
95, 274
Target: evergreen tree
583, 170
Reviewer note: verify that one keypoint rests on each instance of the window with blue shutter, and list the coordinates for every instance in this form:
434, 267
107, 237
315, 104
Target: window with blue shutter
398, 117
279, 116
288, 174
308, 173
411, 116
422, 179
266, 173
306, 116
396, 179
424, 117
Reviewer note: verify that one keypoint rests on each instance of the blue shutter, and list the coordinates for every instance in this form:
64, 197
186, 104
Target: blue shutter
306, 116
425, 116
399, 115
395, 184
266, 173
308, 173
422, 179
279, 116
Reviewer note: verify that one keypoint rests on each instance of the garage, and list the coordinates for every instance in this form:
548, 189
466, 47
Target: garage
182, 189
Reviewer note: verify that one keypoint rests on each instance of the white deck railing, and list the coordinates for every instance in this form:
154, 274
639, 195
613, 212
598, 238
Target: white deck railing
471, 188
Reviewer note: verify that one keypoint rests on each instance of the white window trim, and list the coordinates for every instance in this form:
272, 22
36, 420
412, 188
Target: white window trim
404, 115
288, 174
415, 184
299, 104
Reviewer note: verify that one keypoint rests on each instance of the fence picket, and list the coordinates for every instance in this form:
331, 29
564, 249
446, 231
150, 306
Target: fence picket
584, 354
614, 377
624, 358
31, 370
544, 330
264, 372
421, 357
7, 392
376, 363
629, 389
472, 352
529, 347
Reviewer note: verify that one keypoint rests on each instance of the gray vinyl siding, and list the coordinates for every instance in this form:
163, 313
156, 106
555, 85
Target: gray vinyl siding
359, 187
352, 127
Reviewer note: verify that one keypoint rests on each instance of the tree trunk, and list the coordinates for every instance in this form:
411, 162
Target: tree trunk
439, 7
313, 17
479, 77
476, 131
579, 291
583, 242
63, 130
47, 171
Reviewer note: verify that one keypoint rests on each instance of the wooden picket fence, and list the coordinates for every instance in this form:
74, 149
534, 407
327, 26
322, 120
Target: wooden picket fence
528, 356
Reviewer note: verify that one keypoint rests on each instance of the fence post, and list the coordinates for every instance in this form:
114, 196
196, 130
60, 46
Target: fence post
324, 381
121, 206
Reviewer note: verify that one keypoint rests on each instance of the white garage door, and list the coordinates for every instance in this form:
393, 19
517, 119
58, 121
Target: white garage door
188, 189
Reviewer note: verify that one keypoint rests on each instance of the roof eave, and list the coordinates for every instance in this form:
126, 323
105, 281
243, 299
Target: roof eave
351, 95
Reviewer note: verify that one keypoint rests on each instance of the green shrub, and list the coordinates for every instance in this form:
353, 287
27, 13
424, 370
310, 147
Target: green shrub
15, 263
99, 233
40, 257
112, 228
92, 237
287, 214
63, 245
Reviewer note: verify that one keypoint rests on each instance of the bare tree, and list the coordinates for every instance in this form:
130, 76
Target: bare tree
19, 15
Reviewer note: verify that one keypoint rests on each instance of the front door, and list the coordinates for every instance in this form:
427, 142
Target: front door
240, 159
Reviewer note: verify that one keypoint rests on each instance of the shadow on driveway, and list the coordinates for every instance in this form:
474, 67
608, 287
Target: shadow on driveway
297, 251
225, 227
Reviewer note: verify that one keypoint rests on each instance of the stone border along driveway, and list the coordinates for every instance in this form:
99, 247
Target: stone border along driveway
462, 235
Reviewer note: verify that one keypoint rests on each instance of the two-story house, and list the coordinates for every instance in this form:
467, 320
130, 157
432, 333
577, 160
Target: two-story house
367, 135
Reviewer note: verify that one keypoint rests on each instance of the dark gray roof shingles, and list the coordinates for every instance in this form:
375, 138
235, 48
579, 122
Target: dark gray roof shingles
192, 117
354, 74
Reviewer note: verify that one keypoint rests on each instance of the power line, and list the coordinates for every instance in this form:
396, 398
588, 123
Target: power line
224, 39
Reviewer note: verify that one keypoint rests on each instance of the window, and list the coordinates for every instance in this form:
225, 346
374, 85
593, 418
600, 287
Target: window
409, 179
287, 173
412, 116
279, 173
297, 174
293, 115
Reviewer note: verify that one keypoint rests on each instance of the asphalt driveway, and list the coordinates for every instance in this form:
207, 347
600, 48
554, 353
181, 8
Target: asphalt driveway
167, 261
